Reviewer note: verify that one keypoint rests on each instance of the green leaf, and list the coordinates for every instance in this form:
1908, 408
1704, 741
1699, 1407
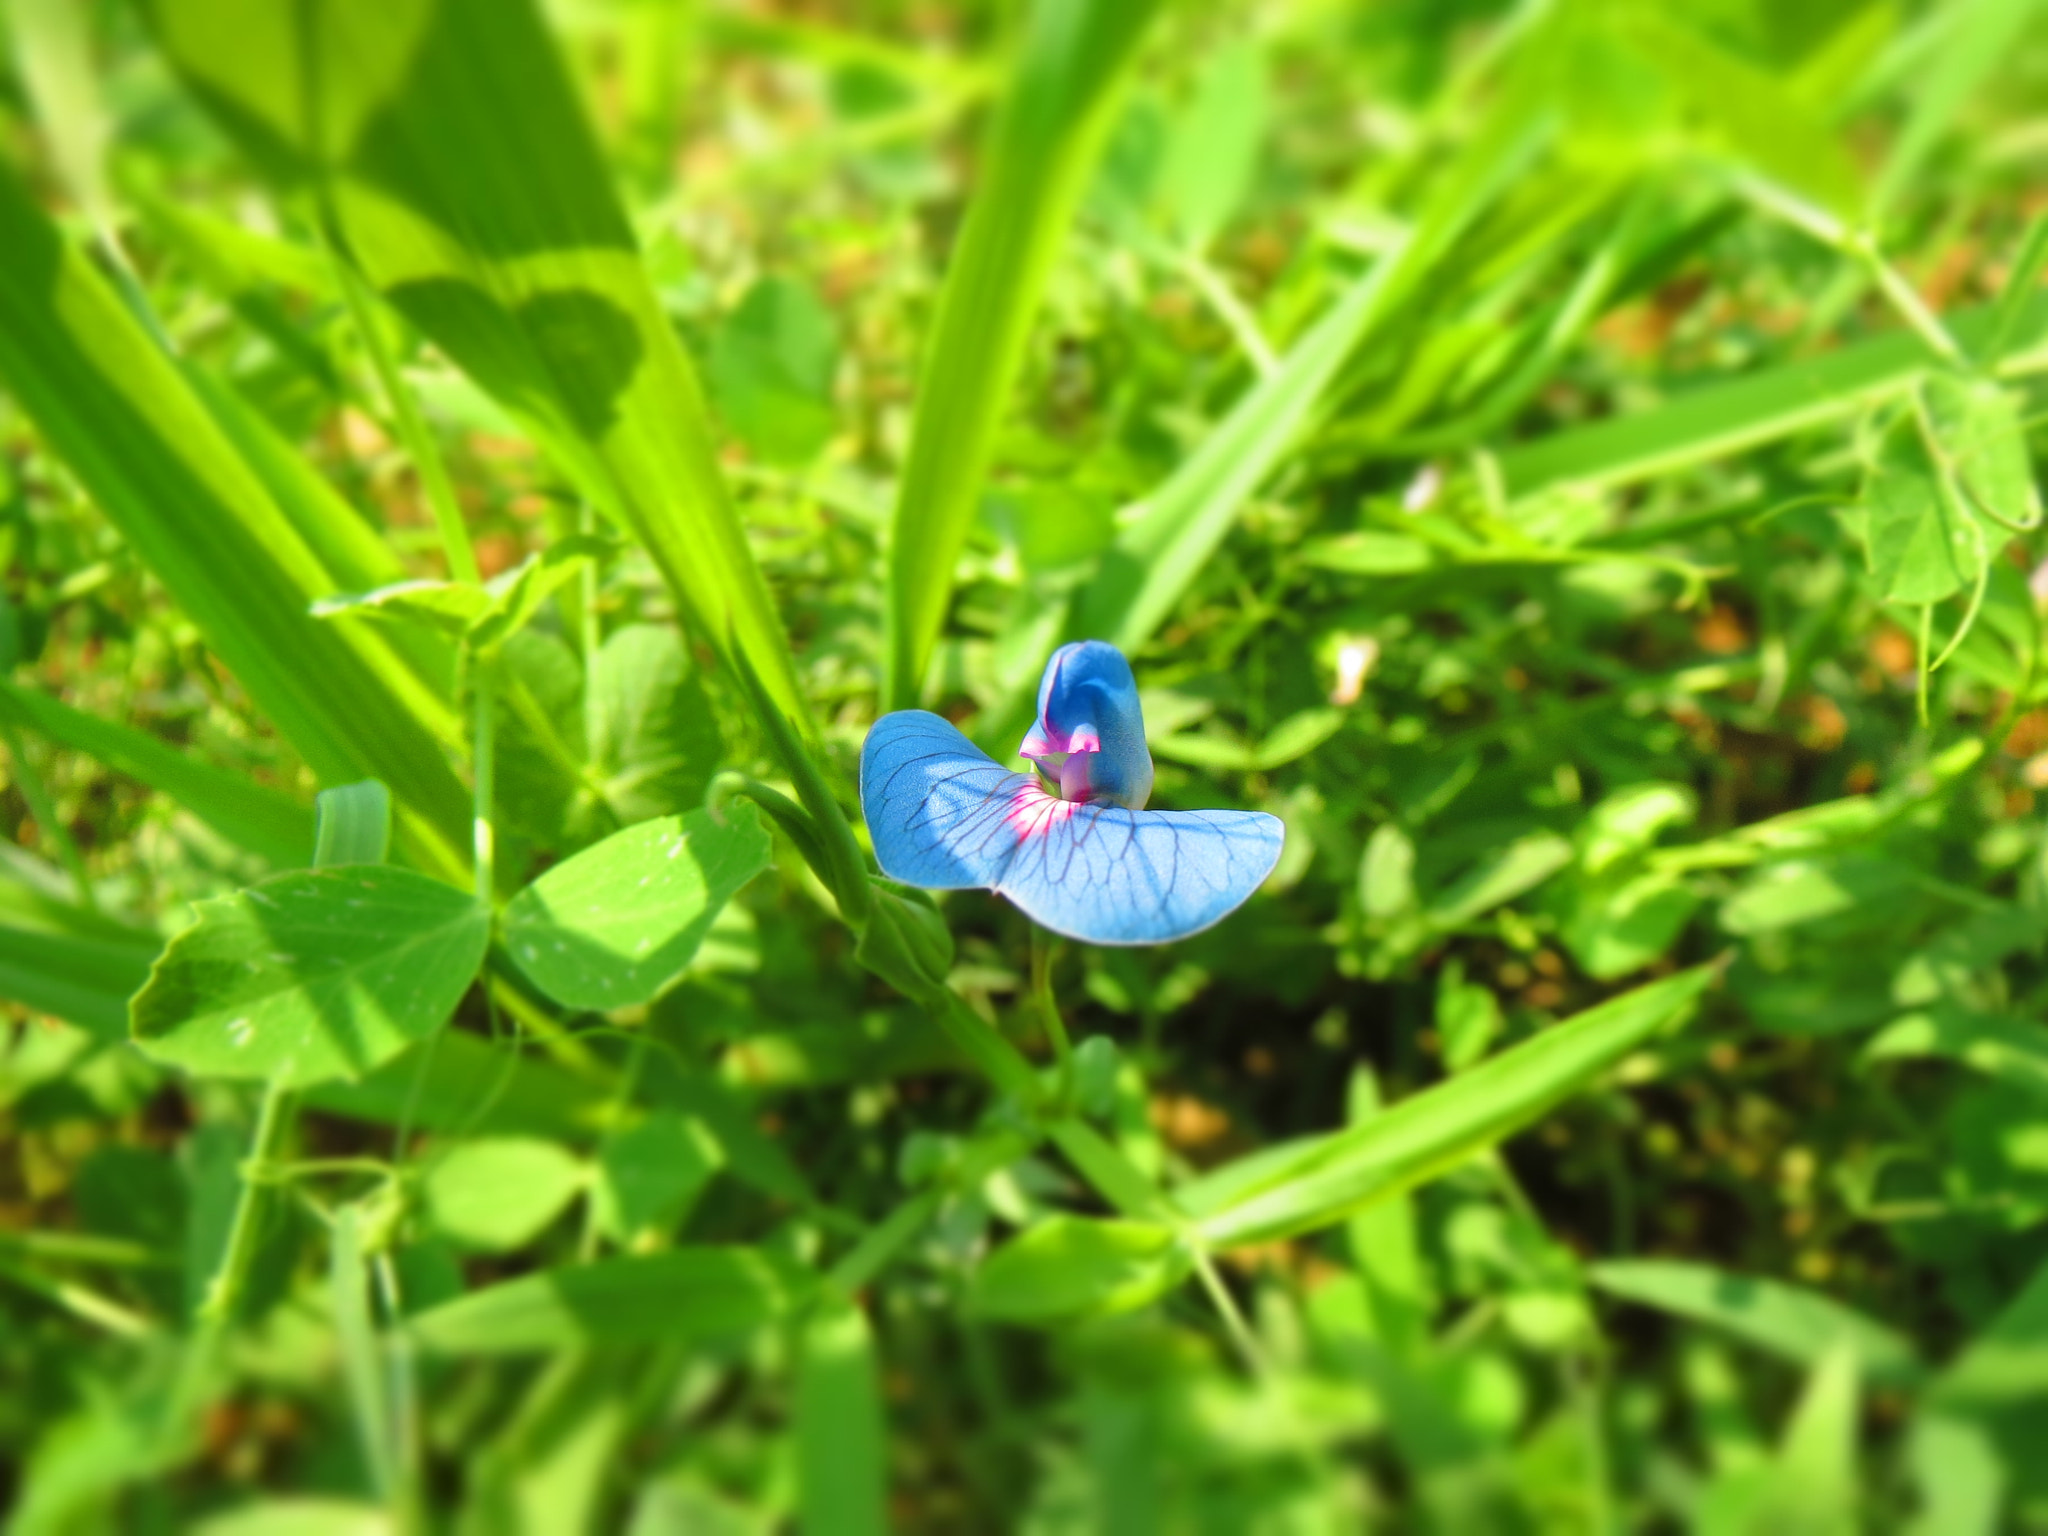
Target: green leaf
1977, 428
312, 975
618, 923
2013, 1049
499, 1193
680, 1296
1812, 1488
1213, 153
771, 368
1924, 543
354, 825
1435, 1130
1793, 1323
842, 1464
123, 418
475, 200
1064, 88
1369, 554
1386, 874
1065, 1267
1614, 927
1500, 877
654, 740
650, 1174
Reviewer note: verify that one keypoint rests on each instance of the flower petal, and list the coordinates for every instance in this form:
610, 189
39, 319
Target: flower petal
945, 816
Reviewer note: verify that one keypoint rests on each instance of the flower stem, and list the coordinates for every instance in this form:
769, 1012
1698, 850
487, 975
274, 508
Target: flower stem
484, 763
1042, 949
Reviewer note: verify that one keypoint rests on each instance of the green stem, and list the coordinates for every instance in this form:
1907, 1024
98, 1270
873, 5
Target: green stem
81, 1301
412, 430
484, 759
1043, 945
225, 1289
44, 810
1233, 1320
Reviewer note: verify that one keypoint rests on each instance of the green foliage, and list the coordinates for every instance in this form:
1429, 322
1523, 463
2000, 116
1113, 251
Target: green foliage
1576, 465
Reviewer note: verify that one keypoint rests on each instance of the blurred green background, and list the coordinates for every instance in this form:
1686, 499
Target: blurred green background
1572, 461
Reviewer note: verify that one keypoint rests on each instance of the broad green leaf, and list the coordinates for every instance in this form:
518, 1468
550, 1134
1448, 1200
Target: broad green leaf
1796, 891
2005, 1367
1759, 120
1065, 83
679, 1296
1500, 877
649, 1174
1977, 429
842, 1442
499, 1193
1065, 1267
655, 740
1794, 1323
312, 975
2015, 1049
770, 371
1386, 873
616, 924
122, 416
1924, 543
1435, 1130
1629, 820
248, 815
1212, 154
354, 825
1812, 1489
476, 202
1614, 927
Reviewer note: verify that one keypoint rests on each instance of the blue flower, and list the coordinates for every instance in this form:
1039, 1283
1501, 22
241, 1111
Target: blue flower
1072, 843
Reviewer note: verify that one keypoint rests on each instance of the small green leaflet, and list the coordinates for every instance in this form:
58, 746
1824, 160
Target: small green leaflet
1981, 436
1072, 1266
1925, 544
311, 976
498, 1193
678, 1296
619, 922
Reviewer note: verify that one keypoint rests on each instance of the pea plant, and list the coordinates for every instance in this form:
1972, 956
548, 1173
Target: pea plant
1050, 767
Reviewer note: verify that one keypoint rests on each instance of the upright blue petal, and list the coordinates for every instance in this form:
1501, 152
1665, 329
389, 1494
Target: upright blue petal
946, 816
1090, 726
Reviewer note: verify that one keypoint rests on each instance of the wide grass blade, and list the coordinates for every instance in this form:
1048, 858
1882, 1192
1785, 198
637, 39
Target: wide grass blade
1073, 59
1435, 1130
445, 146
248, 815
842, 1452
122, 416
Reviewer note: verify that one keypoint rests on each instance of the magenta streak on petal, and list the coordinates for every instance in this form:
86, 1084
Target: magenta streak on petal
1084, 739
1033, 812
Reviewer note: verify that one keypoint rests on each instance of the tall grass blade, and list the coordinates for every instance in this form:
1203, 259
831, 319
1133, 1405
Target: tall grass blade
1074, 57
447, 151
261, 820
121, 415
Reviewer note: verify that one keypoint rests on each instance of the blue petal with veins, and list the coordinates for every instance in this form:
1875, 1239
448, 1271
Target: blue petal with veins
946, 816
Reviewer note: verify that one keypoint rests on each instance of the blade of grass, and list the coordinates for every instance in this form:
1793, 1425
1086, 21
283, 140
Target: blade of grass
1435, 1130
248, 815
1177, 529
118, 411
450, 156
1072, 62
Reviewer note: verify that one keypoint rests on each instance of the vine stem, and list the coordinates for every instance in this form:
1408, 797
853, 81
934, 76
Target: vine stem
1043, 945
484, 761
